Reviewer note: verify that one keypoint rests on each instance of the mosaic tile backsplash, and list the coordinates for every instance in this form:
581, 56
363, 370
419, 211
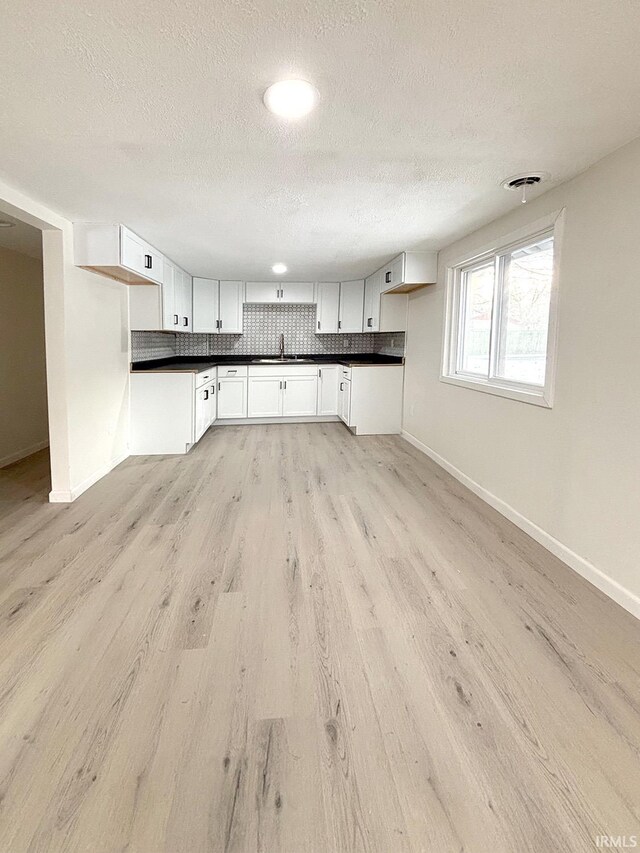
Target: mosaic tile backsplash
262, 327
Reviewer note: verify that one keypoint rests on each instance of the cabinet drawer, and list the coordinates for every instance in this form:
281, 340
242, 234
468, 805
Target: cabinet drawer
205, 377
231, 371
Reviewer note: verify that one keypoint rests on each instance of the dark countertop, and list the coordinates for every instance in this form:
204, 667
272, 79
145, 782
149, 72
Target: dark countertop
196, 364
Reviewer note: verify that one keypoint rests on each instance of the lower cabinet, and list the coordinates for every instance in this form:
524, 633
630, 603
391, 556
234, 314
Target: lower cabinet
277, 392
344, 391
328, 389
299, 396
205, 408
371, 399
232, 397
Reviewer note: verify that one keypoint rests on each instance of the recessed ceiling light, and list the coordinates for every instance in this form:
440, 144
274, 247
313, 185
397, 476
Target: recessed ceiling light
4, 223
291, 98
279, 269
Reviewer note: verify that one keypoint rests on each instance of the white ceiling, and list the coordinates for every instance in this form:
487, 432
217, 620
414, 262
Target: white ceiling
149, 112
21, 238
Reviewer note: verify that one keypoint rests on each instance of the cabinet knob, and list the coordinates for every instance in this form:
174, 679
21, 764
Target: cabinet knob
185, 321
148, 262
387, 277
175, 319
206, 395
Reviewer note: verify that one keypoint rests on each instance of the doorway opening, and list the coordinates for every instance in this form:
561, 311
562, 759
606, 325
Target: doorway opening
25, 470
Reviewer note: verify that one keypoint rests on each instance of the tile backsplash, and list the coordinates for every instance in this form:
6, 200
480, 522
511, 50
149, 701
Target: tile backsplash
262, 327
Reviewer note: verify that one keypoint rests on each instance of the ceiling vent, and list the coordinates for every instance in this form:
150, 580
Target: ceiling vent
524, 182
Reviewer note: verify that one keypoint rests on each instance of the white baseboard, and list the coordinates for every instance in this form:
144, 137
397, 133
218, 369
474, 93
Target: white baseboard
62, 497
22, 454
606, 584
302, 419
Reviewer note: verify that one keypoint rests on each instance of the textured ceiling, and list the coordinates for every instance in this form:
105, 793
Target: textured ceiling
150, 113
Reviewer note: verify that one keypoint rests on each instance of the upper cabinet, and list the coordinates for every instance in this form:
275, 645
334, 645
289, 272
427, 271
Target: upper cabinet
217, 306
340, 306
281, 292
372, 302
328, 301
408, 272
117, 252
168, 307
351, 306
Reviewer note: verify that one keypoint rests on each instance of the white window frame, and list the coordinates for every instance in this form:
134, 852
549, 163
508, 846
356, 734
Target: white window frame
547, 226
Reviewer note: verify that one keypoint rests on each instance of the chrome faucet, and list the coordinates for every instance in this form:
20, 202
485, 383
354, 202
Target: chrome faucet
282, 345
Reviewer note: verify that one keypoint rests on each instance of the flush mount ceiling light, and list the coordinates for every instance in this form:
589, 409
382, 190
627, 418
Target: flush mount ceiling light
279, 269
291, 99
4, 223
523, 182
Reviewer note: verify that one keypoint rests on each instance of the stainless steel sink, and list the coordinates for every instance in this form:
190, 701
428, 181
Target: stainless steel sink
281, 360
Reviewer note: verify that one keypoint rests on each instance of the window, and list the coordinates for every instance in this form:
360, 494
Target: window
500, 320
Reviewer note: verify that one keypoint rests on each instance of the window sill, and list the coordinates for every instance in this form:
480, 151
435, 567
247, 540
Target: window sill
534, 398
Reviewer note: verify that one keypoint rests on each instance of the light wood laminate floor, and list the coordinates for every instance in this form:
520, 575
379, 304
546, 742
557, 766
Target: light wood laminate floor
295, 640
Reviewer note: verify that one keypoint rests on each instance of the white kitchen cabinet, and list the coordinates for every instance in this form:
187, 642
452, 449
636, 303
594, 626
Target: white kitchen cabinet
299, 396
328, 389
115, 251
265, 396
170, 412
232, 392
170, 318
297, 292
165, 308
206, 299
202, 412
287, 391
282, 292
351, 306
372, 303
344, 400
409, 271
371, 399
328, 302
262, 291
183, 300
217, 306
230, 312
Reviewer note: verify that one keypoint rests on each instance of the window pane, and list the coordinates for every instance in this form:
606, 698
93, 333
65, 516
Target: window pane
524, 325
475, 328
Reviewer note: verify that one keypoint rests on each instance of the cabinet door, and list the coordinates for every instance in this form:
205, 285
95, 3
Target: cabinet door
345, 401
300, 396
232, 398
351, 306
139, 256
169, 311
392, 274
328, 296
262, 291
184, 307
202, 410
328, 389
265, 396
230, 310
372, 302
297, 291
213, 401
205, 304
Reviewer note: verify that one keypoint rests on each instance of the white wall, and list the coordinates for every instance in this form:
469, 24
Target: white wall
23, 383
87, 354
574, 470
